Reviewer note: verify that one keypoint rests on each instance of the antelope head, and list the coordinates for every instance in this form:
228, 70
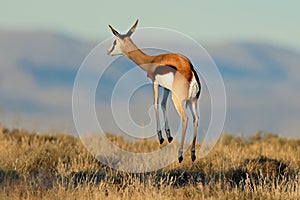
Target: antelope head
122, 43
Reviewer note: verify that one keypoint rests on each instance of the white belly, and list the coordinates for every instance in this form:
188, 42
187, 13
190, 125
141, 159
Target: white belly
165, 80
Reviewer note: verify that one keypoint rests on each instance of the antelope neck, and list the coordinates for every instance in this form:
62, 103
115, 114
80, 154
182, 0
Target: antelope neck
140, 58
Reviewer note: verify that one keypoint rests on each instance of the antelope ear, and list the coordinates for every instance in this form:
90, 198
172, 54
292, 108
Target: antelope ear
116, 33
129, 33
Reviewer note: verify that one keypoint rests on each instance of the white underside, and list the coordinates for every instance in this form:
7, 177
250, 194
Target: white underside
166, 81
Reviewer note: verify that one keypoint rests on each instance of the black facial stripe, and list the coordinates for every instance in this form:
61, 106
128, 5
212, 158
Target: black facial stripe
113, 47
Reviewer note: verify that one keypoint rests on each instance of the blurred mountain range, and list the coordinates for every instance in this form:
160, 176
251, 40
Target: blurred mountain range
37, 71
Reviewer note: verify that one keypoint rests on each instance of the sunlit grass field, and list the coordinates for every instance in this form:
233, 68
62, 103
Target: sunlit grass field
57, 166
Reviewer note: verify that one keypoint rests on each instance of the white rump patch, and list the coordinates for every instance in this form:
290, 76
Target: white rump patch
194, 88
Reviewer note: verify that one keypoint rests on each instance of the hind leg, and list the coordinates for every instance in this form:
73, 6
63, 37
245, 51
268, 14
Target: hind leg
193, 107
179, 107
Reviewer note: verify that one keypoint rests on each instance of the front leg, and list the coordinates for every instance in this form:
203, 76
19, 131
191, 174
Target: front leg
164, 108
155, 92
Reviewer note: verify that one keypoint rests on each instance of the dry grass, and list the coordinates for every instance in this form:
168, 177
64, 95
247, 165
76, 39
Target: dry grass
57, 166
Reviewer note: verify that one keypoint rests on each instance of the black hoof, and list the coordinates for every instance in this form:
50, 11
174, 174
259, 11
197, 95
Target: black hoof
180, 159
193, 157
170, 139
161, 140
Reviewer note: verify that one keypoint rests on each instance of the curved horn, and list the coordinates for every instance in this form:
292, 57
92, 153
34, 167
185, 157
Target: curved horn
132, 29
116, 33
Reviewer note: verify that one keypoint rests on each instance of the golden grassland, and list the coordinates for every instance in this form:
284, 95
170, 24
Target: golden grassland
58, 166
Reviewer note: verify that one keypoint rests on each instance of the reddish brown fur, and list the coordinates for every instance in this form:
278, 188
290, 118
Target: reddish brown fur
171, 61
177, 61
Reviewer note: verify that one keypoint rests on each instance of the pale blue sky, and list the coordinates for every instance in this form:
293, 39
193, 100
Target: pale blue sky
206, 21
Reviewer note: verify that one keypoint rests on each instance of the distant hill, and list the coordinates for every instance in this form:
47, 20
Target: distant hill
37, 71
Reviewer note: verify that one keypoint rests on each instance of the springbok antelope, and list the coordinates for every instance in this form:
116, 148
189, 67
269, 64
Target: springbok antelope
173, 72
